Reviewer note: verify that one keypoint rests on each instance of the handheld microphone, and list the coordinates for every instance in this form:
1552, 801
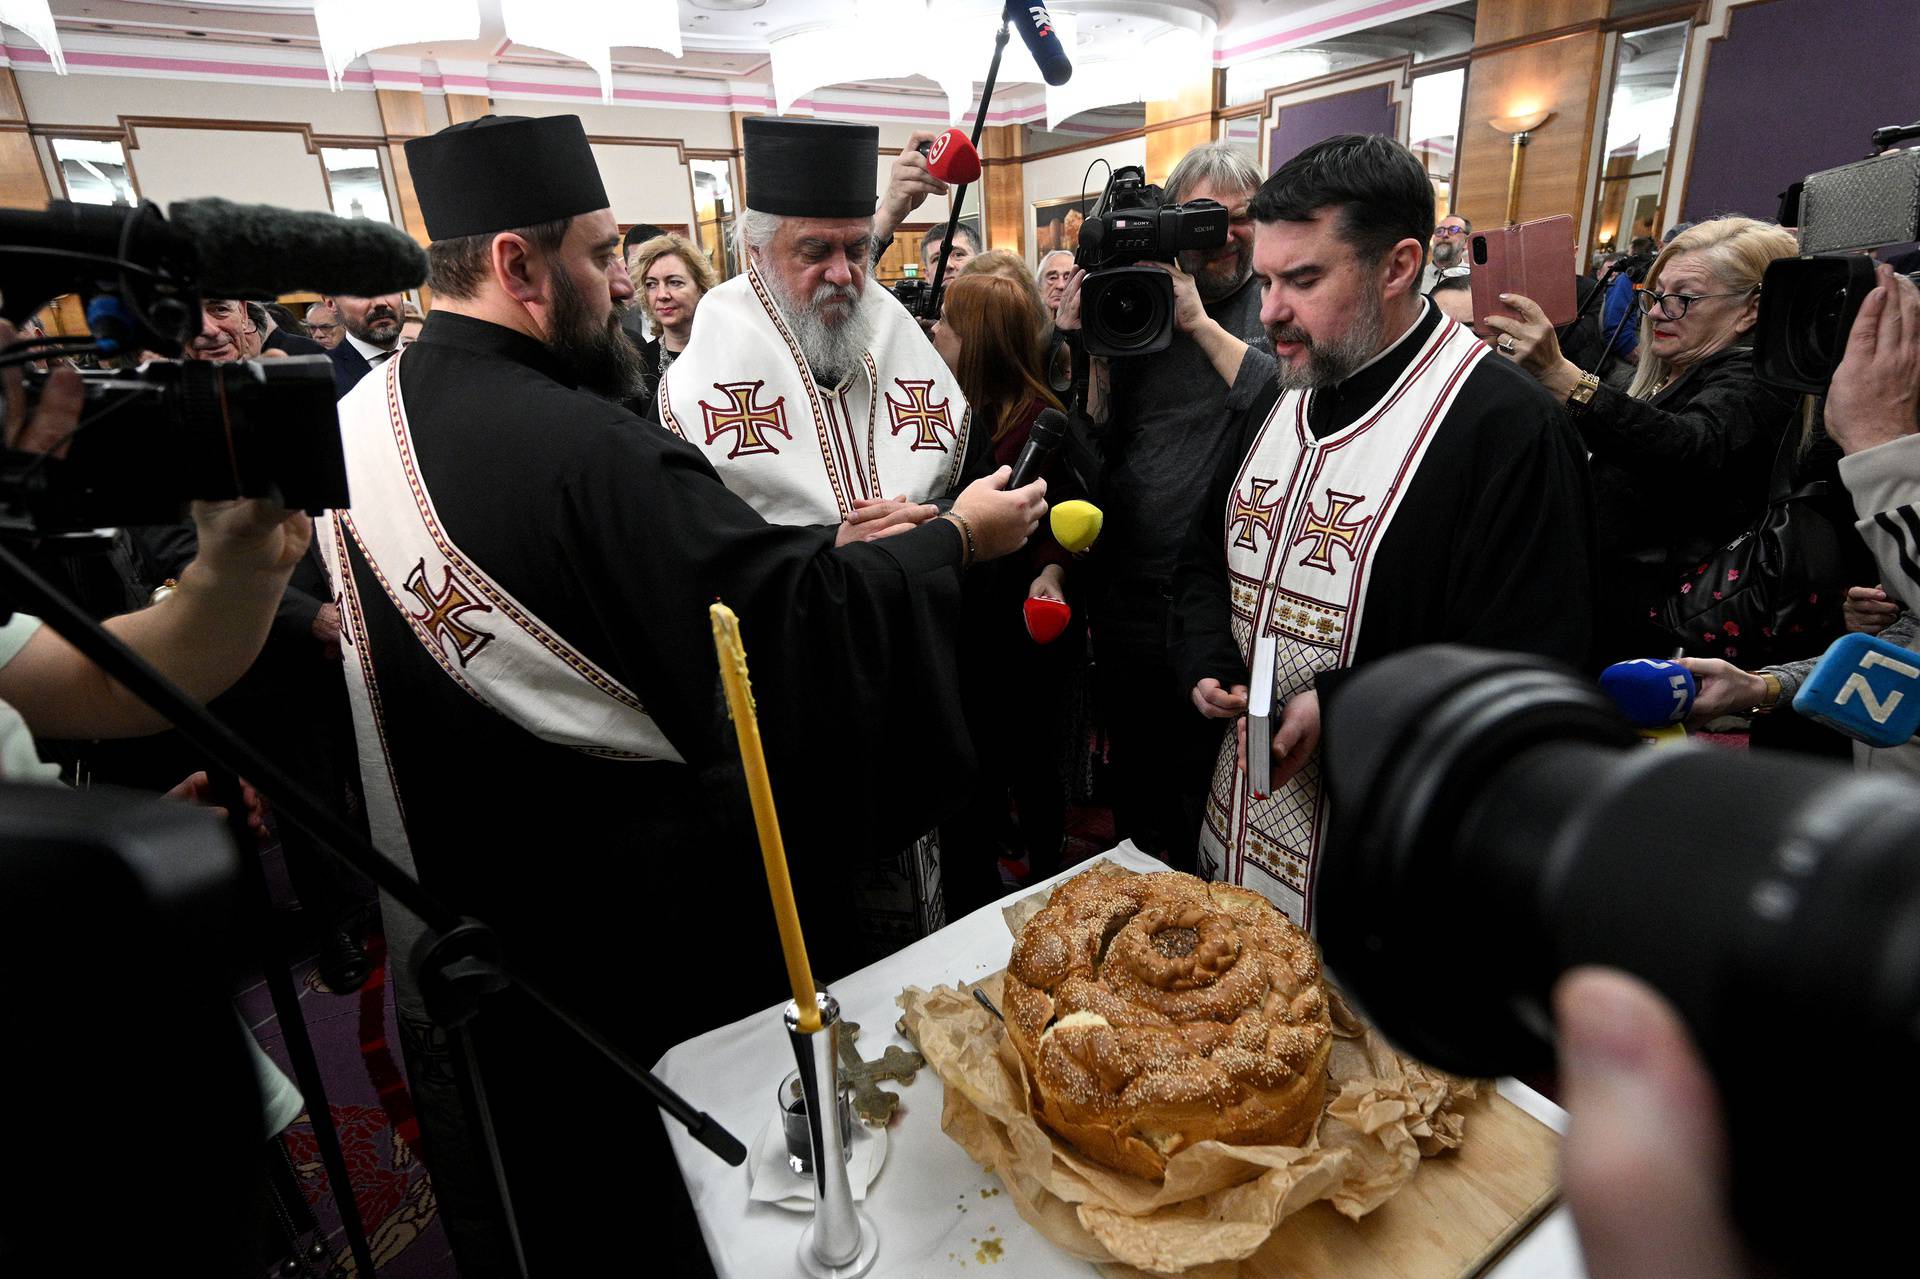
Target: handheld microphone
951, 158
1048, 434
1649, 693
1045, 618
1075, 524
1867, 688
1036, 28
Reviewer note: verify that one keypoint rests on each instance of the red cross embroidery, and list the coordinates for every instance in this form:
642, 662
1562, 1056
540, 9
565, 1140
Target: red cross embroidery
444, 609
1253, 512
1329, 531
741, 414
927, 420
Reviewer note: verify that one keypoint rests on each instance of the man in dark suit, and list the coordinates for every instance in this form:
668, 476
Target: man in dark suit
277, 337
372, 336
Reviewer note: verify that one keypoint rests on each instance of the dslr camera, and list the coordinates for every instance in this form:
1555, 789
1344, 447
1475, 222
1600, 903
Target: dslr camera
1127, 309
1808, 303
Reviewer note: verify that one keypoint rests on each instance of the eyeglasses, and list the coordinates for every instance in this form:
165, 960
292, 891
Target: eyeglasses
1449, 230
1673, 306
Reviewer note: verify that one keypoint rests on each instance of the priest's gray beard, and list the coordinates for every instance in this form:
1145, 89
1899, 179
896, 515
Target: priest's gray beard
832, 350
1334, 359
601, 356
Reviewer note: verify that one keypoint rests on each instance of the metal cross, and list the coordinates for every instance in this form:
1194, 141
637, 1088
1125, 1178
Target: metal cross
874, 1104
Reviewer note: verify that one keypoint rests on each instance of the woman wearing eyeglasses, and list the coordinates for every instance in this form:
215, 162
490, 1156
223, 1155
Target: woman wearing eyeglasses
1683, 457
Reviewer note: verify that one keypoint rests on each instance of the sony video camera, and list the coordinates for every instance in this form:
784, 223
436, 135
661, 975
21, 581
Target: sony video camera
1126, 309
1808, 303
152, 438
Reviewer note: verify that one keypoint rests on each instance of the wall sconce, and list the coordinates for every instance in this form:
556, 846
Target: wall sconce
1520, 128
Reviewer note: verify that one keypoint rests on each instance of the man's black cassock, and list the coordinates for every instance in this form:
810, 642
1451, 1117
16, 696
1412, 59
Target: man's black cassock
1492, 545
634, 890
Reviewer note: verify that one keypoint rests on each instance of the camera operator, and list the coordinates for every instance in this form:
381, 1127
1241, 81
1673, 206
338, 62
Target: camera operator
1164, 420
1872, 413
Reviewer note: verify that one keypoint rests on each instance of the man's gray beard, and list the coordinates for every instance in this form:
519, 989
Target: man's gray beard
1452, 251
1333, 360
831, 351
1215, 284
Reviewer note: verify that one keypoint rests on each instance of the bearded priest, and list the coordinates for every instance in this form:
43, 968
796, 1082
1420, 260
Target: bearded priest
816, 397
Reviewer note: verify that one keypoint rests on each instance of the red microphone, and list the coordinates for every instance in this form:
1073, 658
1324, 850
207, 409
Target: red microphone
951, 157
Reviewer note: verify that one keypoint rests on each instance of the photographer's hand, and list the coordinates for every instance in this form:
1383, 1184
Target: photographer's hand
908, 186
54, 418
1875, 394
1224, 351
1067, 317
1644, 1164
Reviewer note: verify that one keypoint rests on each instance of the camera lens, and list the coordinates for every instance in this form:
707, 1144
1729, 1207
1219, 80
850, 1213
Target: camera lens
1493, 826
1131, 311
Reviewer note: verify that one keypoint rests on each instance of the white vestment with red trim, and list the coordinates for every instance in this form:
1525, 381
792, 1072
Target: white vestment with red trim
1304, 520
799, 452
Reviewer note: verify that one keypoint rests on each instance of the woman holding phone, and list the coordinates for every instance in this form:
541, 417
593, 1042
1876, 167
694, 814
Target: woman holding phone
1682, 459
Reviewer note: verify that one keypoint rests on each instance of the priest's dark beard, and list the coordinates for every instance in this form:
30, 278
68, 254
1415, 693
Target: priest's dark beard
832, 350
599, 355
1334, 359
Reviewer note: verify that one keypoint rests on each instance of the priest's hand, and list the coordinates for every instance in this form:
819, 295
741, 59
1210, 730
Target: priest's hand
1002, 519
1531, 343
1645, 1159
1720, 688
877, 517
908, 186
1216, 702
1875, 395
1295, 738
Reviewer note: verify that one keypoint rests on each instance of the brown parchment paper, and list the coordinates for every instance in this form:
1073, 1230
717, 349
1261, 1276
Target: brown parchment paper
1218, 1203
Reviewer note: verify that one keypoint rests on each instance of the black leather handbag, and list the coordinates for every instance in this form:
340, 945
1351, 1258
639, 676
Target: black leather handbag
1772, 593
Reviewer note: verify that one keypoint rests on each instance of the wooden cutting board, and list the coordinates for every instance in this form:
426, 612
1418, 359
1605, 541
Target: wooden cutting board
1455, 1218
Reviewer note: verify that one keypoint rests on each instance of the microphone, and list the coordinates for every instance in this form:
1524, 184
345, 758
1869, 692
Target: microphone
1048, 434
1075, 524
1036, 29
1867, 688
1648, 692
951, 158
259, 251
1045, 618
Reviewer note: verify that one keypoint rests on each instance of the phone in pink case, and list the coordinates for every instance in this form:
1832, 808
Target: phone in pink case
1533, 259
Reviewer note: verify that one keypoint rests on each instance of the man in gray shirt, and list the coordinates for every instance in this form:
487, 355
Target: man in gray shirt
1163, 421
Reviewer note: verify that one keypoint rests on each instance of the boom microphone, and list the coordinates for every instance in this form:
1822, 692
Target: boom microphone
1036, 28
1049, 433
259, 251
951, 158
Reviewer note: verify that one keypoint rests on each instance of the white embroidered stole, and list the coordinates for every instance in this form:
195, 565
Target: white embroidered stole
800, 453
1304, 521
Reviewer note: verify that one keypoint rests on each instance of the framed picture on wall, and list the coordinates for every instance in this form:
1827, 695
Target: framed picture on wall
1056, 223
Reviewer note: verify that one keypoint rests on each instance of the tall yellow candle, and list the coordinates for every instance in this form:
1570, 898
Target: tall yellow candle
773, 852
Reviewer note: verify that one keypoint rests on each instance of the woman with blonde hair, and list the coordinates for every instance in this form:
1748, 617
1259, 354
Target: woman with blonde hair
671, 275
1683, 459
989, 333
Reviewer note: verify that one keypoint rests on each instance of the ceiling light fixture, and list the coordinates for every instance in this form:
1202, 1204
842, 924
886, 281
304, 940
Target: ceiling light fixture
350, 29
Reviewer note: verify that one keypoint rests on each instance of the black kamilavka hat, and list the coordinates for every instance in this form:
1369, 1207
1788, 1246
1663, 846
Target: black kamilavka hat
811, 168
502, 172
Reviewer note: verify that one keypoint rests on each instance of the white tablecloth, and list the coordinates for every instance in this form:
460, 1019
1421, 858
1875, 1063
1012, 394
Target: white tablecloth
933, 1205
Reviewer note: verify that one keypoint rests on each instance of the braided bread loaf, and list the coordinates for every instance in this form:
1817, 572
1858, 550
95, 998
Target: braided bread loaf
1156, 1011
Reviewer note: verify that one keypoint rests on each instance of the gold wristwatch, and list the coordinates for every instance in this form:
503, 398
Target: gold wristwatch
1582, 393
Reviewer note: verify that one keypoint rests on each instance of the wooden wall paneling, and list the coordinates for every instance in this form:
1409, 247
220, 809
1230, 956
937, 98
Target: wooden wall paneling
403, 116
1003, 195
462, 107
1497, 20
1561, 75
23, 179
1177, 125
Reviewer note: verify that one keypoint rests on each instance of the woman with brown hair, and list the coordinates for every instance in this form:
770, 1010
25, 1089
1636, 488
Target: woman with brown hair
990, 334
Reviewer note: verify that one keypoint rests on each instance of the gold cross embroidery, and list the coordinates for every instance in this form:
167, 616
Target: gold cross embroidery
1253, 511
444, 609
748, 419
927, 419
1328, 530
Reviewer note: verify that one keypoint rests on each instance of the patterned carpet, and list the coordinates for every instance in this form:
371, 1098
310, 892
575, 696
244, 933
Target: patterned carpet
356, 1043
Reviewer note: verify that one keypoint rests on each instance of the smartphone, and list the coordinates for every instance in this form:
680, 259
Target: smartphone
1533, 259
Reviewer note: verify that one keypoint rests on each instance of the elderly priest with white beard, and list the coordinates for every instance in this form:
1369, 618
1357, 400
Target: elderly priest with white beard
817, 398
524, 580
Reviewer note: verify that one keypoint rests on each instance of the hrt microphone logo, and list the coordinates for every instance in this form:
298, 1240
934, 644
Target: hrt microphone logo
1867, 688
1042, 20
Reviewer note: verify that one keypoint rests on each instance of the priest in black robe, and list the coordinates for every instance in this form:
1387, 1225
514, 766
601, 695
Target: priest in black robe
1399, 484
524, 578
